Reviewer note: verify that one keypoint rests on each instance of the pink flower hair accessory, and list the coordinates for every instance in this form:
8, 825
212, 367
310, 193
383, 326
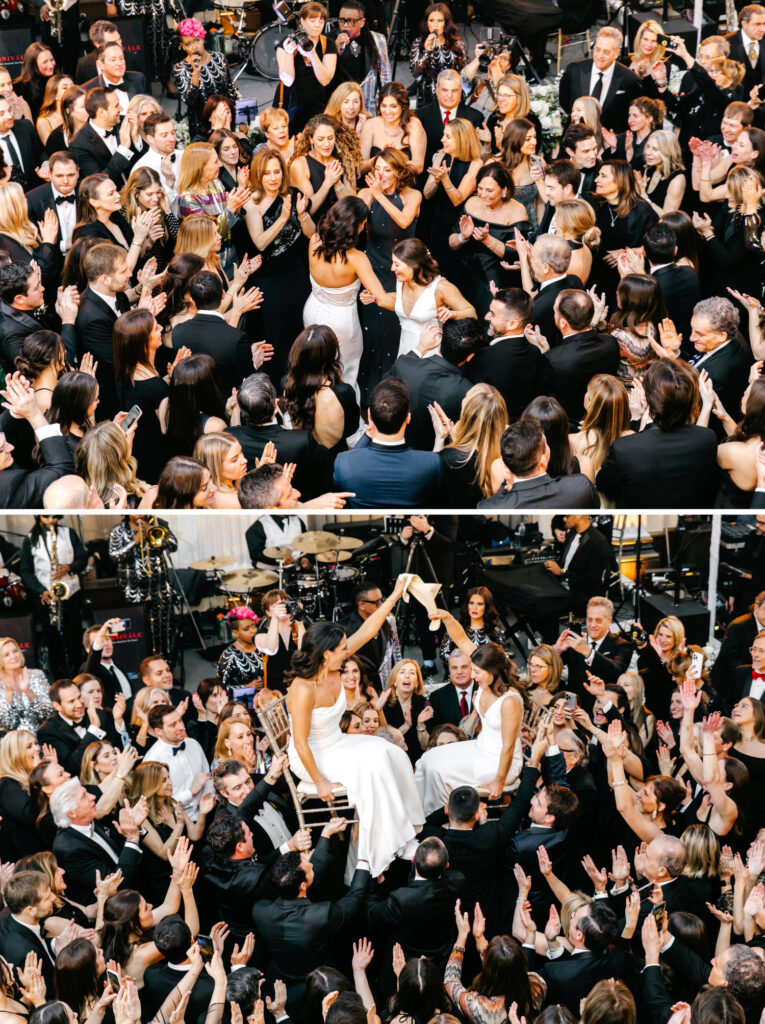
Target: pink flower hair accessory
192, 27
241, 611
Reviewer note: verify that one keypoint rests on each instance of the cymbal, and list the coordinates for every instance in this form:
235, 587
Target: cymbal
279, 553
214, 562
249, 579
349, 543
334, 556
313, 541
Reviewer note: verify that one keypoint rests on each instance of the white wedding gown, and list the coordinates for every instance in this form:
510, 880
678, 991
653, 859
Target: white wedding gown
378, 778
423, 311
471, 763
336, 308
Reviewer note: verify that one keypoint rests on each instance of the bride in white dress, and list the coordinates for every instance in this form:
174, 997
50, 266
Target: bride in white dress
495, 758
337, 270
376, 774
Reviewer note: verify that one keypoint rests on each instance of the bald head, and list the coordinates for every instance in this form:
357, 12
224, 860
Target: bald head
67, 492
550, 257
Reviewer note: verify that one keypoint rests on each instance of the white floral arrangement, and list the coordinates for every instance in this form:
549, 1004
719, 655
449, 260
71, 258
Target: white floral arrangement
182, 137
544, 103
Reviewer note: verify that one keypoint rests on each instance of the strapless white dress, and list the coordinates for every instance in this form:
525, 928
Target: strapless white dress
378, 778
336, 308
473, 763
422, 312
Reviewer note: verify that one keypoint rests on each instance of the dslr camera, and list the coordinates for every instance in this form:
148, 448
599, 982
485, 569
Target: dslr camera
496, 42
288, 15
295, 610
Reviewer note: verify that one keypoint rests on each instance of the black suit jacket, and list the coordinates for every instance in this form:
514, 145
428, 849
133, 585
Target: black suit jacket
17, 324
429, 380
681, 290
544, 303
160, 979
574, 362
430, 117
752, 75
16, 940
516, 368
625, 86
737, 685
570, 978
229, 347
109, 684
22, 488
313, 461
588, 566
611, 659
81, 857
95, 326
728, 367
133, 83
572, 492
522, 849
68, 745
31, 150
734, 650
446, 705
93, 156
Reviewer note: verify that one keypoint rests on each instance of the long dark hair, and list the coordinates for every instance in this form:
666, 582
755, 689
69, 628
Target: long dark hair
753, 422
338, 229
39, 351
39, 798
421, 992
492, 659
640, 302
122, 926
179, 482
193, 392
512, 140
319, 638
624, 178
209, 109
452, 35
314, 359
318, 985
401, 96
490, 613
416, 255
504, 972
131, 334
175, 284
72, 396
554, 421
29, 74
686, 236
75, 974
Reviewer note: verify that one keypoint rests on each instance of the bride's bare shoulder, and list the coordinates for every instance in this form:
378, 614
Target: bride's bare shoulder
301, 692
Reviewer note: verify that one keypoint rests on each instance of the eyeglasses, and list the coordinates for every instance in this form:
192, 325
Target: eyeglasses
349, 21
377, 602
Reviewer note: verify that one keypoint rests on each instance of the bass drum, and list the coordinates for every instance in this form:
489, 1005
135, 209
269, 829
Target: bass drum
263, 49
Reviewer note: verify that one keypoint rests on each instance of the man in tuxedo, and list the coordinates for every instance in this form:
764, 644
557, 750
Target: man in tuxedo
209, 333
383, 471
447, 105
738, 968
437, 375
29, 899
98, 147
581, 147
270, 817
299, 934
162, 154
183, 756
596, 650
525, 453
100, 32
746, 45
566, 762
256, 398
581, 354
172, 937
85, 847
113, 76
584, 562
21, 147
680, 286
21, 312
454, 700
612, 84
99, 648
108, 276
420, 915
548, 259
748, 679
672, 459
562, 180
721, 351
739, 634
70, 729
59, 194
510, 363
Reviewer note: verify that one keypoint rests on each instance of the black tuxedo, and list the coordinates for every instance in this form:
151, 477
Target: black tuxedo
16, 940
160, 979
68, 745
17, 324
681, 290
22, 488
86, 67
522, 849
734, 650
516, 368
738, 685
574, 362
588, 566
611, 659
94, 157
445, 702
738, 51
230, 348
81, 857
565, 492
18, 835
133, 83
47, 256
570, 978
313, 461
41, 199
95, 326
624, 87
429, 380
544, 304
678, 468
234, 886
728, 366
31, 151
381, 476
432, 122
109, 682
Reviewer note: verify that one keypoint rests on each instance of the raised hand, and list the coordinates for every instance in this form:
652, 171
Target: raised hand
598, 876
363, 951
523, 881
399, 960
463, 923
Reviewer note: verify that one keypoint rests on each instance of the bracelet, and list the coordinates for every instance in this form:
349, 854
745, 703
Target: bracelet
622, 783
449, 188
463, 239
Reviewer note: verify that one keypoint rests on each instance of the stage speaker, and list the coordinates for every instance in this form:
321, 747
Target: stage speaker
20, 628
13, 42
675, 25
693, 615
364, 529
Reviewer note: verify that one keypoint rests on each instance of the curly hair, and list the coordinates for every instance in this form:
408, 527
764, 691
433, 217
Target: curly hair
338, 229
347, 144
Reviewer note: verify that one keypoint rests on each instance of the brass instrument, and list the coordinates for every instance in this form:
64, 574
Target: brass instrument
155, 536
731, 16
56, 23
59, 591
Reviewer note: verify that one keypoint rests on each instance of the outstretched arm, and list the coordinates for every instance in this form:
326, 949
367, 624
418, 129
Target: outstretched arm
374, 623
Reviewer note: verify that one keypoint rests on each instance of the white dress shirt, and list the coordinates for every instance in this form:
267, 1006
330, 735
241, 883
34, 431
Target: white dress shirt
67, 217
748, 44
153, 159
182, 766
90, 833
607, 78
110, 300
17, 157
111, 142
81, 729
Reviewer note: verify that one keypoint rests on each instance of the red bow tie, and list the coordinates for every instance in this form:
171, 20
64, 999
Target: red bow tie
758, 675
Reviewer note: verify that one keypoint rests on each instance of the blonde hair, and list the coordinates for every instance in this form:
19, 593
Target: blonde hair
222, 752
88, 773
675, 627
142, 699
731, 69
591, 111
575, 221
607, 416
367, 705
637, 700
193, 161
141, 178
14, 216
554, 662
466, 144
139, 101
338, 97
13, 758
482, 422
419, 686
260, 162
649, 26
570, 905
103, 459
196, 236
147, 781
702, 849
736, 177
671, 156
211, 450
9, 640
272, 116
520, 90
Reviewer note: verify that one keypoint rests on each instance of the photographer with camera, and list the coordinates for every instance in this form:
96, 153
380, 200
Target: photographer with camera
282, 631
307, 62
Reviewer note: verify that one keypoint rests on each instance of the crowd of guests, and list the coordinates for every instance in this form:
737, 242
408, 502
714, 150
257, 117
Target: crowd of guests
380, 304
594, 852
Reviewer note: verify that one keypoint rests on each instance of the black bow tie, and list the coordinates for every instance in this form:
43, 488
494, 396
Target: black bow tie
181, 746
108, 87
66, 199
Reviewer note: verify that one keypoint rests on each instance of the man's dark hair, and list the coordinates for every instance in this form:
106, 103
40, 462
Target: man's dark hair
13, 281
95, 100
101, 50
206, 290
389, 405
431, 858
153, 121
660, 244
99, 30
463, 804
158, 714
24, 889
522, 445
256, 398
346, 1009
562, 803
748, 12
223, 835
353, 5
576, 307
361, 589
460, 339
287, 875
598, 926
257, 488
172, 937
565, 173
224, 770
243, 988
574, 135
717, 1005
744, 972
517, 303
619, 698
671, 391
54, 691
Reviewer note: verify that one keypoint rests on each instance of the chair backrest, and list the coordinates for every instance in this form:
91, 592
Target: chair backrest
531, 716
275, 723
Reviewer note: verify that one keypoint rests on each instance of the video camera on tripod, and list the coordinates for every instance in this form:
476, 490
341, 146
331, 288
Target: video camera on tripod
288, 14
496, 43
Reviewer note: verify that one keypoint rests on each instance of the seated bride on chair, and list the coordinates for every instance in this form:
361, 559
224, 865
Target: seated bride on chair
495, 758
376, 774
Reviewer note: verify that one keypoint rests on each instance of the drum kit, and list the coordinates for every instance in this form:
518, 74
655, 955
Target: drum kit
12, 596
312, 570
256, 51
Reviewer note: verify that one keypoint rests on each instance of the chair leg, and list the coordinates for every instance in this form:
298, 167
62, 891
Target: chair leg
589, 44
560, 49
